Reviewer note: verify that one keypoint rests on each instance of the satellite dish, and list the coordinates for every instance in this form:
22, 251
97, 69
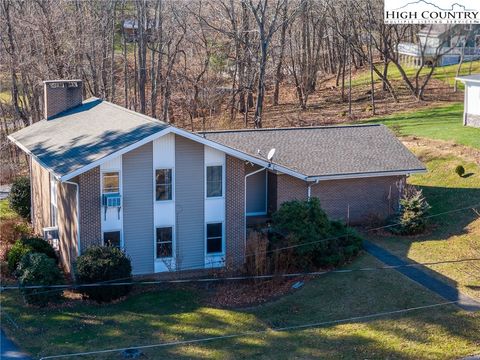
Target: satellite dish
270, 154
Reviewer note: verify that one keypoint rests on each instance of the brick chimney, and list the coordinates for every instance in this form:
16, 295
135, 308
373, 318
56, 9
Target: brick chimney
61, 95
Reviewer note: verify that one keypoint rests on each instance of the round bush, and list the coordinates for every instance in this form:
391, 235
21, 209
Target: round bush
19, 197
460, 170
28, 245
39, 269
305, 223
104, 264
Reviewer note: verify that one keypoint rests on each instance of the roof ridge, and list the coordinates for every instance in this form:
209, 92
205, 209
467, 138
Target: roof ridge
146, 117
288, 128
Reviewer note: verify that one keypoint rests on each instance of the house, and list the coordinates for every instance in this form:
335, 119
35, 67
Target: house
442, 44
130, 29
176, 200
471, 110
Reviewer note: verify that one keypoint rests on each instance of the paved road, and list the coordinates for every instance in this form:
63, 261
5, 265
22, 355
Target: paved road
446, 291
10, 351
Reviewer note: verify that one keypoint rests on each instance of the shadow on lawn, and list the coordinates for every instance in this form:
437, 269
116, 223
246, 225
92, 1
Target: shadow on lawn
447, 200
449, 223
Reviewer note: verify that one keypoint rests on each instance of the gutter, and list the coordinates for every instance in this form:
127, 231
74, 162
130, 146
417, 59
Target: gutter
366, 175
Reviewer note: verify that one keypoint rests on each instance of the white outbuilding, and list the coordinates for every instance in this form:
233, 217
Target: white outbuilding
471, 111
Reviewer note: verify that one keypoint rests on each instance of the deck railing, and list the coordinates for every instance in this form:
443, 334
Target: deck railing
416, 50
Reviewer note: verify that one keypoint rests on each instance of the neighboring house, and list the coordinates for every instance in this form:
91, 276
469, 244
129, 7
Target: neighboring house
176, 200
442, 44
130, 29
471, 110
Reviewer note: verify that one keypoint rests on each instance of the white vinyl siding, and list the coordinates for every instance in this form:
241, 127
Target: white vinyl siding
164, 210
112, 219
215, 206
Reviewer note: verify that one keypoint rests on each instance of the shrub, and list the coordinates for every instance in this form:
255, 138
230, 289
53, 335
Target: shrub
28, 245
104, 264
39, 269
19, 197
413, 211
10, 231
304, 222
460, 170
256, 262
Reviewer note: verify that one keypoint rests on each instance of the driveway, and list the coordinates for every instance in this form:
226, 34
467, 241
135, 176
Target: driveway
10, 351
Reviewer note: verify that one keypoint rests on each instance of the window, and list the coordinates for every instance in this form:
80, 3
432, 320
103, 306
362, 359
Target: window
214, 238
163, 183
111, 182
164, 242
214, 181
111, 238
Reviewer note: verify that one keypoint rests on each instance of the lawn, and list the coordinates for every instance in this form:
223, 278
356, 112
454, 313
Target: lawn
5, 212
181, 313
174, 314
442, 123
451, 236
443, 73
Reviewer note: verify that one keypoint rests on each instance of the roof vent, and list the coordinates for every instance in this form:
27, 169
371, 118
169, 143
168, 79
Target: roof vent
61, 95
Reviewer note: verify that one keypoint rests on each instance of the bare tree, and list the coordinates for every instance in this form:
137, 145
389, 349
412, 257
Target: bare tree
266, 19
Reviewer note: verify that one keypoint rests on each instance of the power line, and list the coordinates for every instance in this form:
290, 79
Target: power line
257, 332
232, 278
198, 267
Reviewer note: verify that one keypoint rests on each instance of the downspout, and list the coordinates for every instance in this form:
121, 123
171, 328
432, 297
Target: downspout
32, 215
245, 208
309, 190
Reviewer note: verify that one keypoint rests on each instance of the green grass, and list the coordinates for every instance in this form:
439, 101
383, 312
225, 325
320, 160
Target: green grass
176, 314
451, 236
5, 212
444, 73
442, 123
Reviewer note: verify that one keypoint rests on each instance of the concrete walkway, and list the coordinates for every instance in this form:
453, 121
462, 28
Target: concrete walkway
10, 351
446, 291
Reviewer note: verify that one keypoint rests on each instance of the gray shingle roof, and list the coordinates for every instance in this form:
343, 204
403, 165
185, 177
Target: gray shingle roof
88, 133
85, 134
326, 151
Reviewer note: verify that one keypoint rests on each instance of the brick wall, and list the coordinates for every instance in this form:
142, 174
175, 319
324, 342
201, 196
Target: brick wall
235, 211
40, 185
90, 208
67, 224
290, 188
60, 96
472, 120
362, 199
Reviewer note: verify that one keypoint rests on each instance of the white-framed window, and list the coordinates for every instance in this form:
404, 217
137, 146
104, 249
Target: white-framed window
110, 182
164, 242
214, 238
112, 238
53, 202
163, 184
214, 181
